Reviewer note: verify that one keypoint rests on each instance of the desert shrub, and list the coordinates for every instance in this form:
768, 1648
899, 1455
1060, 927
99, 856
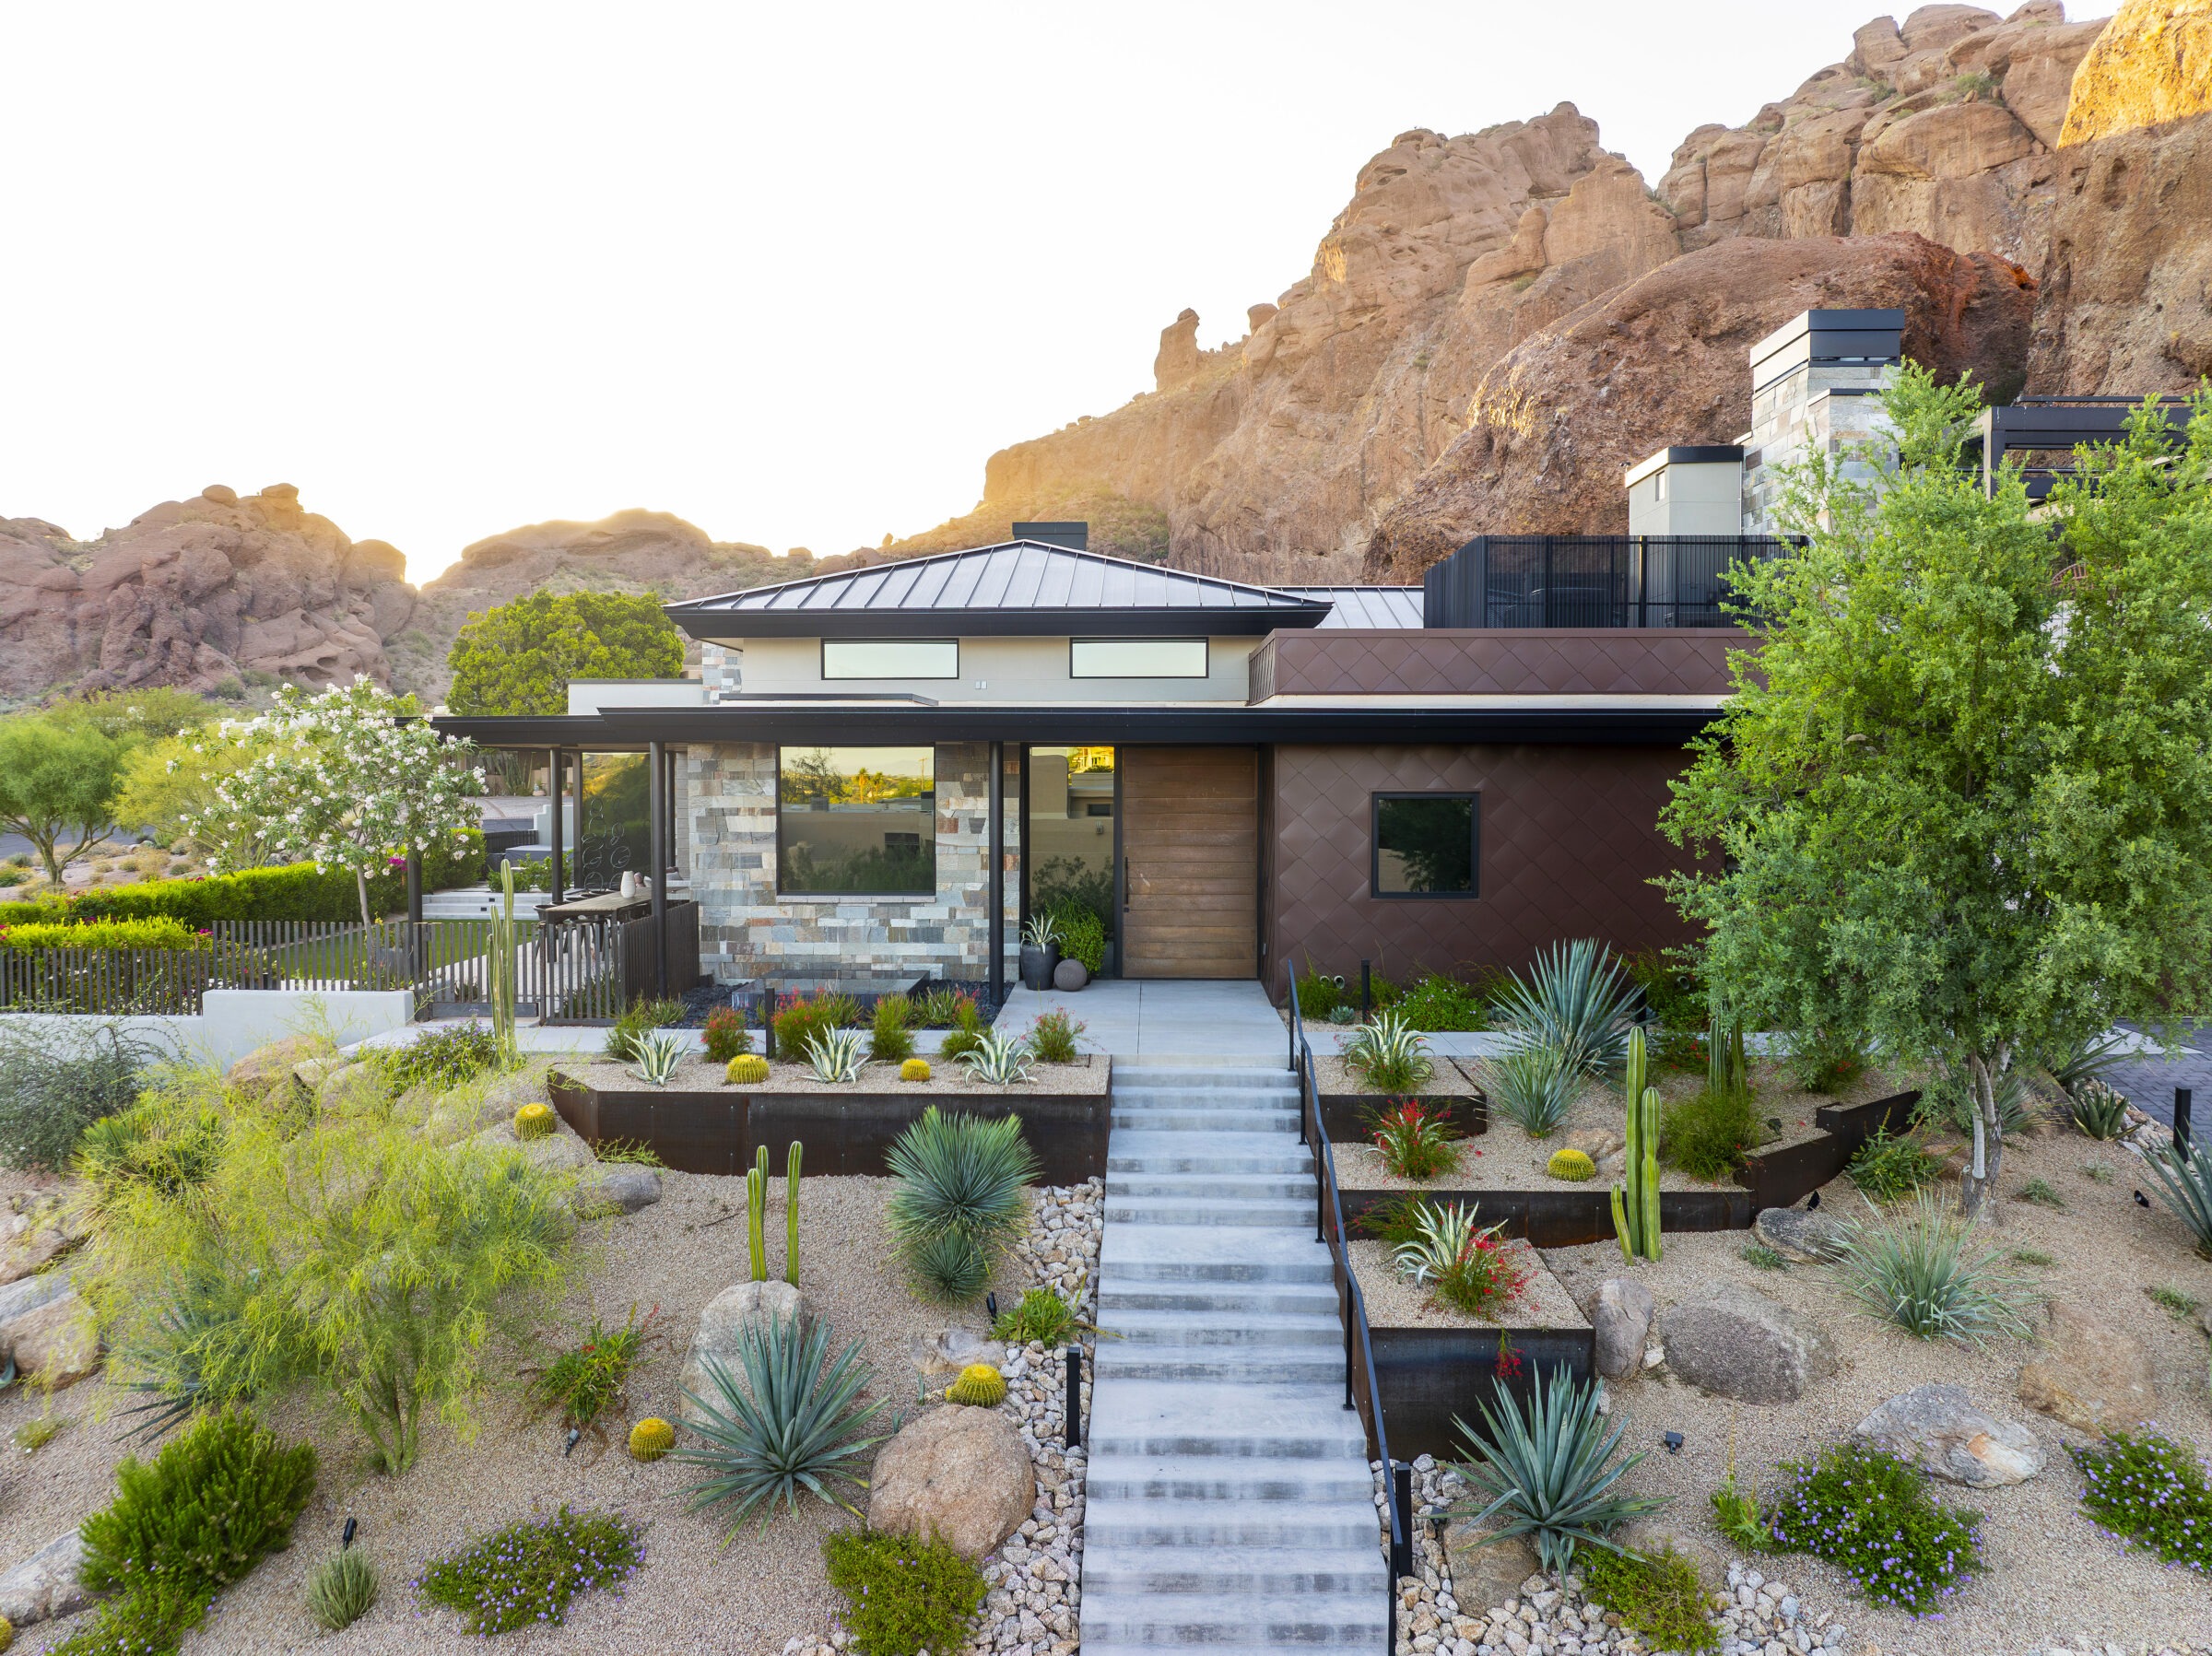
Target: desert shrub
1546, 1469
1082, 937
1533, 1087
791, 1420
1416, 1139
2144, 1489
583, 1382
439, 1058
1482, 1279
1388, 1055
1870, 1515
2091, 1058
940, 1008
963, 1174
949, 1267
527, 1574
636, 1020
2172, 1301
342, 1589
1673, 992
41, 1429
2098, 1171
2038, 1192
1827, 1062
1656, 1593
797, 1022
1575, 999
1707, 1134
1396, 1221
1924, 1272
1042, 1319
966, 1032
1052, 1038
726, 1035
1438, 1004
57, 1082
902, 1595
2033, 1256
890, 1040
1887, 1168
1320, 993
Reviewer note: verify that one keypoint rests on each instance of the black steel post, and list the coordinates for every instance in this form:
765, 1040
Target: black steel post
556, 888
655, 758
995, 888
414, 914
1367, 990
1347, 1342
1074, 1433
2182, 1133
1401, 1539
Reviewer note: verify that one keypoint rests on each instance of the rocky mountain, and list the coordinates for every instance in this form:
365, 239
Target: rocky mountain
1497, 323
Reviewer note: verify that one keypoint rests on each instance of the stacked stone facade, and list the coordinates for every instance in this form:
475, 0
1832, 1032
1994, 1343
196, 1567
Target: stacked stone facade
747, 930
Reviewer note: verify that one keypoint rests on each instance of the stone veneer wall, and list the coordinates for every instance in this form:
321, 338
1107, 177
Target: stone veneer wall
746, 930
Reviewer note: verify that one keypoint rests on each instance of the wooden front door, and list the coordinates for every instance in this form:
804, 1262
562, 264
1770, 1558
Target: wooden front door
1190, 841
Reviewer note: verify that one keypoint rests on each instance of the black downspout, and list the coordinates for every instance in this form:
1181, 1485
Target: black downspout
554, 889
655, 761
415, 915
995, 888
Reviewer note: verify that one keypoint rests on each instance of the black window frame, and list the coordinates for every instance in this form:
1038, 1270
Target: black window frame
822, 663
1206, 657
1374, 845
776, 799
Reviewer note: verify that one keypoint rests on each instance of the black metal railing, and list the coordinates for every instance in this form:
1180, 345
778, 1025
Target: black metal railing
1359, 1344
1609, 581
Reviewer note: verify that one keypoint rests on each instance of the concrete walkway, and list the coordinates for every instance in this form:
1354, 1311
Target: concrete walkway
1161, 1018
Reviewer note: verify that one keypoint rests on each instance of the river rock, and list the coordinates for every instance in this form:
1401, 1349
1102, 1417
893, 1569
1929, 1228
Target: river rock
1621, 1323
959, 1473
58, 1342
45, 1584
1734, 1343
1939, 1429
1070, 975
2087, 1373
721, 1329
1807, 1238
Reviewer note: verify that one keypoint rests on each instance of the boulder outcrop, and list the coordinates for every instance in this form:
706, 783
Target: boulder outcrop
2151, 63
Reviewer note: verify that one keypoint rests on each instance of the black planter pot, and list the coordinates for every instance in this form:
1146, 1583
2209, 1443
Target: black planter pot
1037, 964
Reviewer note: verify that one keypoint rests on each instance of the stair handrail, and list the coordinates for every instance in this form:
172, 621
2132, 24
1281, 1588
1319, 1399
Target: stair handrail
1356, 1329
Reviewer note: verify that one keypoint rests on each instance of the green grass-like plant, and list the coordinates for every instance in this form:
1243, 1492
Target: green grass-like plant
1658, 1594
528, 1574
940, 1008
1924, 1272
583, 1382
1548, 1472
440, 1058
1534, 1087
1041, 1318
1417, 1140
2032, 1256
2144, 1489
1870, 1515
890, 1030
635, 1020
1764, 1257
1052, 1038
1708, 1134
2185, 1185
1886, 1169
342, 1589
965, 1033
950, 1267
2174, 1302
1388, 1054
2040, 1192
903, 1595
56, 1084
631, 1152
1319, 995
795, 1422
1828, 1061
1575, 999
2098, 1172
1396, 1221
39, 1430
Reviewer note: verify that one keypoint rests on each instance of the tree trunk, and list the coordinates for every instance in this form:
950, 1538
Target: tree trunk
1977, 1190
361, 886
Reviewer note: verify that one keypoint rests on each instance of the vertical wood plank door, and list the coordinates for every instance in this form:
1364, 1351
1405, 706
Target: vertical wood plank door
1190, 833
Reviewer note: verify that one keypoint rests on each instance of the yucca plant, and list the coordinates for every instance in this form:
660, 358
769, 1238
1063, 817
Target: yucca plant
951, 1266
835, 1056
1576, 1000
2185, 1183
961, 1173
1924, 1273
1549, 1471
658, 1053
1389, 1053
998, 1060
1441, 1232
796, 1422
2097, 1109
1532, 1085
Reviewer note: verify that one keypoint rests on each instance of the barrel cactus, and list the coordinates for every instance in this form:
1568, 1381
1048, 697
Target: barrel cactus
651, 1438
7, 1633
533, 1120
748, 1069
914, 1069
1570, 1164
979, 1385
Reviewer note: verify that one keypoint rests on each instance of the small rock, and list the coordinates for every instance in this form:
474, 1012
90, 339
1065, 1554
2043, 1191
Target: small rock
1939, 1429
623, 1186
959, 1473
1807, 1238
58, 1344
1734, 1343
1621, 1321
1484, 1575
40, 1234
2089, 1374
45, 1584
951, 1350
28, 1294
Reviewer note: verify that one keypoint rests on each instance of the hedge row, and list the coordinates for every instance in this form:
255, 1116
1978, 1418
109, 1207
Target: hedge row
148, 934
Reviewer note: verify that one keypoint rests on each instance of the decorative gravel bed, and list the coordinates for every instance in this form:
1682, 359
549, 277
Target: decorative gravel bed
1393, 1303
1450, 1080
1087, 1075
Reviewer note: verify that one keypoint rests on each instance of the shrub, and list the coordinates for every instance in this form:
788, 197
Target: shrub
1707, 1135
1319, 995
1439, 1005
833, 1056
1396, 1221
961, 1174
2098, 1172
1052, 1038
2032, 1256
1870, 1515
636, 1018
295, 891
948, 1266
55, 1083
2186, 1186
440, 1058
1673, 993
1416, 1139
528, 1573
1483, 1278
1945, 1101
39, 1430
998, 1060
1886, 1169
162, 935
1082, 937
965, 1035
726, 1035
634, 1153
942, 1008
2172, 1301
795, 1422
657, 1052
2097, 1111
1388, 1055
2039, 1192
1576, 1000
1549, 1471
797, 1022
1827, 1062
342, 1589
914, 1069
902, 1595
1532, 1085
2144, 1489
1042, 1319
1924, 1273
1656, 1593
890, 1040
582, 1383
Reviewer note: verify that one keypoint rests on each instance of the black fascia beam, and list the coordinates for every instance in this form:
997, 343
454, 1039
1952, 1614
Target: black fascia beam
721, 626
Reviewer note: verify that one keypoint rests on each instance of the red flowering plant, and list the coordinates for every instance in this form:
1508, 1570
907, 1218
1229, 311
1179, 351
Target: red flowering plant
1483, 1277
1509, 1358
1418, 1140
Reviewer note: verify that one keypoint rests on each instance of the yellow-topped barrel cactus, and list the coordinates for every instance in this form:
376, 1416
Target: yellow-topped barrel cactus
533, 1120
748, 1069
914, 1069
1570, 1164
980, 1385
651, 1438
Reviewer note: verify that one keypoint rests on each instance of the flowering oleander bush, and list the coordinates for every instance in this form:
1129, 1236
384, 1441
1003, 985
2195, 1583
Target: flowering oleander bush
1416, 1139
2144, 1489
1870, 1515
527, 1573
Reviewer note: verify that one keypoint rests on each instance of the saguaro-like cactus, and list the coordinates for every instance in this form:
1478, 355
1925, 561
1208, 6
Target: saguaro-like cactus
791, 1217
1636, 1198
499, 969
756, 1214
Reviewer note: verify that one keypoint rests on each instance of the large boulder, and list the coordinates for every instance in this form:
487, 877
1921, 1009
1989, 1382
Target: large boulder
29, 1292
1939, 1430
2151, 64
45, 1585
352, 1089
1807, 1238
58, 1344
1736, 1344
2088, 1373
264, 1069
1621, 1321
722, 1329
959, 1473
1486, 1571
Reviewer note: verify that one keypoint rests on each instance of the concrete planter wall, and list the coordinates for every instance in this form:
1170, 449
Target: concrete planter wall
233, 1022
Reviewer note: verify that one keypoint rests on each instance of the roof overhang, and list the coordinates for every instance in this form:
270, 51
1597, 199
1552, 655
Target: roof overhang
734, 627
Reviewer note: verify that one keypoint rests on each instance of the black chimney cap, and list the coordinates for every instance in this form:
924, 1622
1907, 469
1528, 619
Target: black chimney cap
1074, 536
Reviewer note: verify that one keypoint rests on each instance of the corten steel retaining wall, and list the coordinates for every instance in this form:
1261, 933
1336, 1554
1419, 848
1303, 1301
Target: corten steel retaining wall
1431, 1376
717, 1130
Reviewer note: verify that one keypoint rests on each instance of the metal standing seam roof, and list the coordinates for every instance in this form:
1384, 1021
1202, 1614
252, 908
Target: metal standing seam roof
1395, 608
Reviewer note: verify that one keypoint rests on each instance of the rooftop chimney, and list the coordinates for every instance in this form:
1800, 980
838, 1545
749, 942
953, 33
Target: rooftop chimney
1075, 537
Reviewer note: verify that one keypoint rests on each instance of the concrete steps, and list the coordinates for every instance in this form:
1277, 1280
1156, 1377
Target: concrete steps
1229, 1506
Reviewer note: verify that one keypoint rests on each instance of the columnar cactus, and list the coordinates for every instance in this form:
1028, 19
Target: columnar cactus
756, 1214
1636, 1198
791, 1217
499, 968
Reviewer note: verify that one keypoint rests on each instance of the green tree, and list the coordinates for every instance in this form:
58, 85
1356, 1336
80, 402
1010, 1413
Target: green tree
519, 657
1962, 787
58, 781
171, 782
142, 715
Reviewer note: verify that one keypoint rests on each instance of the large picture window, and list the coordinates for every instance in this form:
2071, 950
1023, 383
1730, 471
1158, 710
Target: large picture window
890, 658
856, 822
1427, 844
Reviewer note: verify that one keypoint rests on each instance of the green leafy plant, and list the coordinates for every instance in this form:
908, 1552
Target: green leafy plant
1530, 1086
440, 1058
1870, 1515
1082, 937
902, 1595
998, 1060
1549, 1471
726, 1035
658, 1053
2032, 1256
1887, 1168
1041, 1318
1439, 1005
1764, 1257
1052, 1038
1828, 1062
627, 1151
529, 1573
635, 1020
55, 1083
41, 1429
2147, 1490
2174, 1302
1672, 988
795, 1422
2186, 1186
1319, 995
965, 1035
1708, 1134
1576, 1000
800, 1021
583, 1382
1658, 1594
518, 657
835, 1057
1948, 1102
2096, 1111
1388, 1054
890, 1031
2039, 1192
2098, 1172
342, 1589
1924, 1272
1417, 1141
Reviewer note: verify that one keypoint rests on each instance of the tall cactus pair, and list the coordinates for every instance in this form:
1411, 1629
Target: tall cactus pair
499, 969
1636, 1198
756, 1215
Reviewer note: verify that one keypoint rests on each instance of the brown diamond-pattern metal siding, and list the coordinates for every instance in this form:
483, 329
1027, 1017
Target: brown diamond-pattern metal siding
1570, 842
1498, 661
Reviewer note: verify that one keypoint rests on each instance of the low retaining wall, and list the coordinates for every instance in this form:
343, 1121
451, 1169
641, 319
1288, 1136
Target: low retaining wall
1345, 1114
717, 1130
1430, 1377
233, 1022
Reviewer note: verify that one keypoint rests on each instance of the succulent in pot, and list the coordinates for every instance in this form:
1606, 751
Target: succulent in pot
1040, 951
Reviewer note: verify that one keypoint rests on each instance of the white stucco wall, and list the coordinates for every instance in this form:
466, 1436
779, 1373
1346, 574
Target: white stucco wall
997, 669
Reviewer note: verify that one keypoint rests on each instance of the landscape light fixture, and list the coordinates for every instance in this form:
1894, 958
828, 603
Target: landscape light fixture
991, 1305
1673, 1441
346, 1540
574, 1433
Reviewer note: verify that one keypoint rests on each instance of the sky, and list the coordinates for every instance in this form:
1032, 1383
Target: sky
790, 272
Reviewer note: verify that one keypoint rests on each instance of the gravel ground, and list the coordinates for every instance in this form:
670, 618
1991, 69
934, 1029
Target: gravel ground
1393, 1303
693, 1593
1086, 1076
2049, 1578
1449, 1078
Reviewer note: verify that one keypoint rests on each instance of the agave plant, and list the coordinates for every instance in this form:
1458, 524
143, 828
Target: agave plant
1576, 1000
2093, 1058
2097, 1109
1532, 1084
1441, 1232
1924, 1273
1549, 1473
835, 1056
795, 1422
657, 1053
1389, 1053
1000, 1060
2184, 1182
963, 1173
1041, 932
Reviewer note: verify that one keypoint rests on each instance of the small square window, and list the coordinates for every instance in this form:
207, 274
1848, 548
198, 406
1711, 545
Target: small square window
1427, 844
